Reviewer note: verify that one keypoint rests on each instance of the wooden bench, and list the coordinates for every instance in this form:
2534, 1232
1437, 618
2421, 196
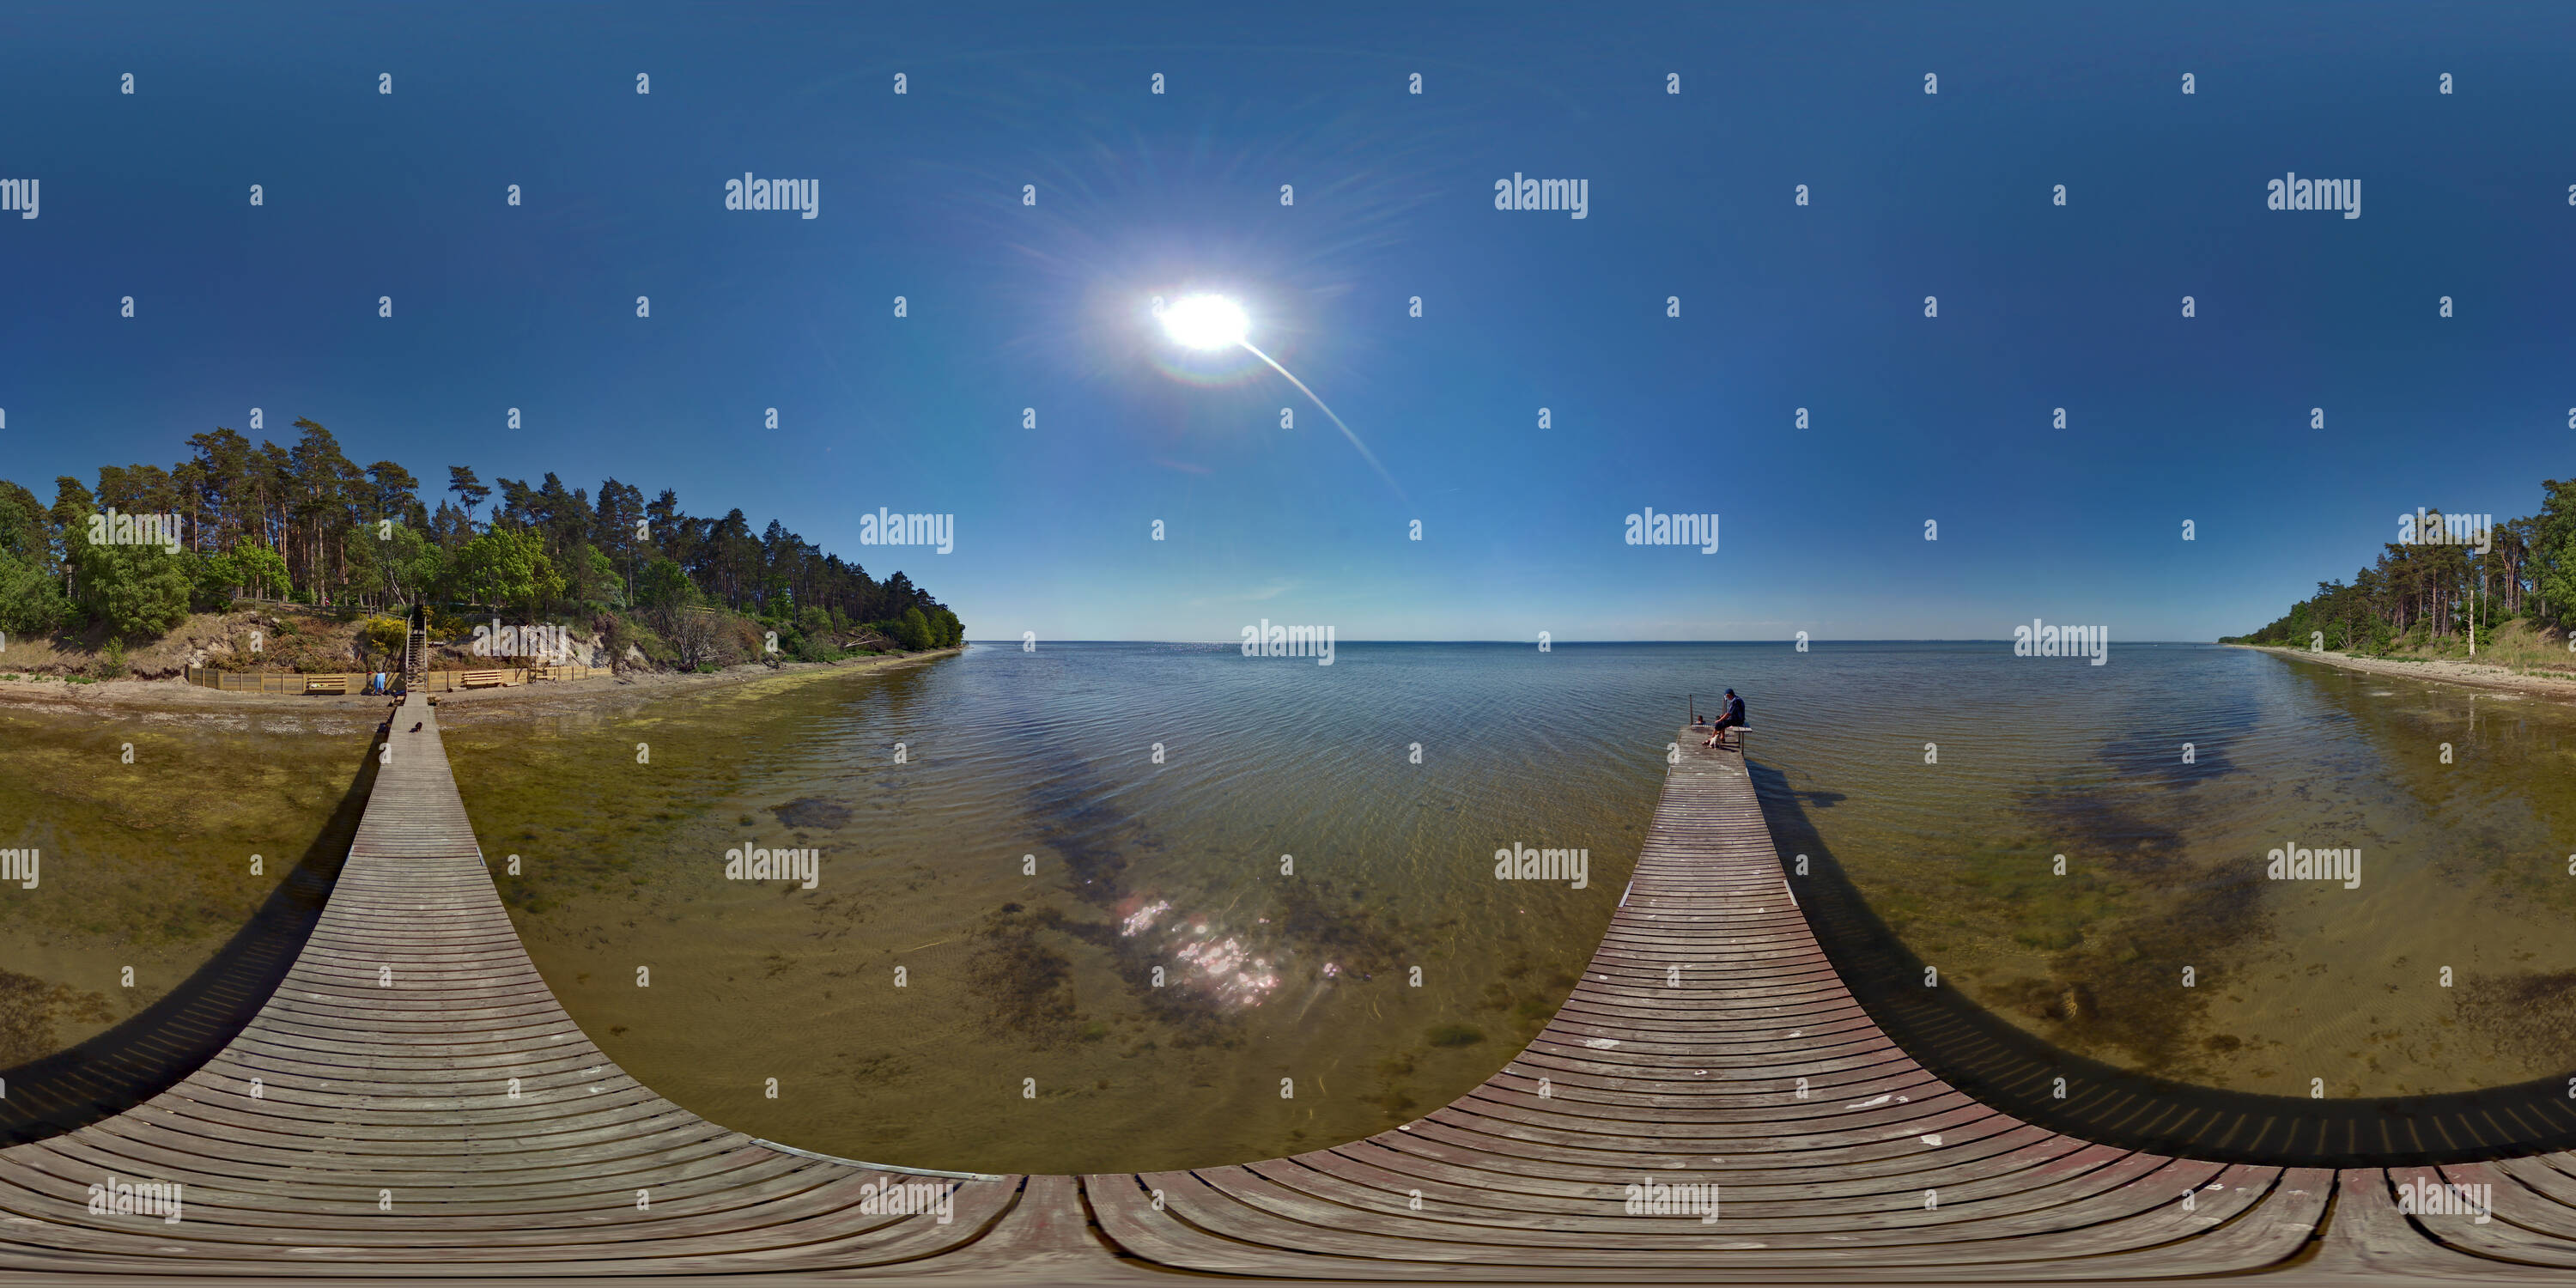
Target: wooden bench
326, 684
482, 680
1700, 731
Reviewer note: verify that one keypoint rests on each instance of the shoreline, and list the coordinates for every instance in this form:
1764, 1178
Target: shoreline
2475, 675
177, 697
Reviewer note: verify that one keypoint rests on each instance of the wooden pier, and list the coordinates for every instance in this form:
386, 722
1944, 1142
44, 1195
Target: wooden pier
413, 1103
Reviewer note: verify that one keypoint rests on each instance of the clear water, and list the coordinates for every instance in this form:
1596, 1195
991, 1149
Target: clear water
1027, 1033
146, 822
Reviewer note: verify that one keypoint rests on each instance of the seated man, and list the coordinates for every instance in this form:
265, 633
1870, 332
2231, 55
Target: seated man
1733, 719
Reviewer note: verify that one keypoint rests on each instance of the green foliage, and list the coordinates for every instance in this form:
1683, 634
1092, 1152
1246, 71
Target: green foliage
413, 564
262, 571
913, 629
444, 625
595, 582
806, 648
138, 591
111, 663
505, 568
211, 580
31, 600
305, 524
23, 536
664, 585
73, 505
917, 629
2553, 556
623, 631
2429, 593
385, 634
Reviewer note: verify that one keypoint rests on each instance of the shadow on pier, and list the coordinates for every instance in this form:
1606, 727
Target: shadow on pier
2019, 1073
175, 1036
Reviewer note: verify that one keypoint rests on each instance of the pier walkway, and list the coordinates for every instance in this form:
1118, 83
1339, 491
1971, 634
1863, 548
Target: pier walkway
412, 1102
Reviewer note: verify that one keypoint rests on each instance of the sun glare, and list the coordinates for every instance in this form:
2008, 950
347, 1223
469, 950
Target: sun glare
1206, 322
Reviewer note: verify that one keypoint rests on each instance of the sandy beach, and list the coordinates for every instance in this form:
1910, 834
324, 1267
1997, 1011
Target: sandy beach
602, 694
2473, 674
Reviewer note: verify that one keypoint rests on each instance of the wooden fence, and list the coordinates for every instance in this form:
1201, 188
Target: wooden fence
356, 681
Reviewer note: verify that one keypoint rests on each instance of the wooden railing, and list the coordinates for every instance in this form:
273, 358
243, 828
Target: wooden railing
356, 681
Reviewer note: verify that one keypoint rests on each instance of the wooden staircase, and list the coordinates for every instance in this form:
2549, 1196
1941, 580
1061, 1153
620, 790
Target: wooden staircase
416, 650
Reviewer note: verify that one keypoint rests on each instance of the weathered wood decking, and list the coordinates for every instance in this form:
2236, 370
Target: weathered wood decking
383, 1140
382, 1135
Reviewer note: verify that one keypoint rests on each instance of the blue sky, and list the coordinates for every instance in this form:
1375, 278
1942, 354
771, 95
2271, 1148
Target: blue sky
1046, 307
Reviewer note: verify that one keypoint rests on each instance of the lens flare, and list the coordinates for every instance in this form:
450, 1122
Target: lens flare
1206, 322
1212, 322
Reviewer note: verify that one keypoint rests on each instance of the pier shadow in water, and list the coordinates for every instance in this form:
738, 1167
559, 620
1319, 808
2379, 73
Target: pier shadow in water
177, 1035
2017, 1072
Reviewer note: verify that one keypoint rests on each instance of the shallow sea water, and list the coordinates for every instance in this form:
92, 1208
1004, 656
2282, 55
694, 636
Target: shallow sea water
1306, 855
1026, 1032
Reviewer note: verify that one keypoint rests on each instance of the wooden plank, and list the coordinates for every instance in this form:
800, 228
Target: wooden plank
1646, 1078
374, 1082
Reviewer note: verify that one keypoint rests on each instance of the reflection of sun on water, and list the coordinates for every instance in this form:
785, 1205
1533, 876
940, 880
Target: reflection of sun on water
1224, 968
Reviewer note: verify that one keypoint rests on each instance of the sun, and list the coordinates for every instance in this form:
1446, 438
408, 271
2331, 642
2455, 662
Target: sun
1206, 321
